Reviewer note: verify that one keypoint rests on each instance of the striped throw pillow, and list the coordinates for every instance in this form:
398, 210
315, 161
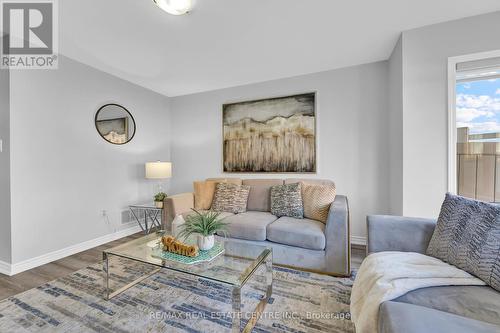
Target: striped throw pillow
467, 235
317, 200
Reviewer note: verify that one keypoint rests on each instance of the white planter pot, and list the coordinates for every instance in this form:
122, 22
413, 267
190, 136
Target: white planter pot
159, 204
205, 243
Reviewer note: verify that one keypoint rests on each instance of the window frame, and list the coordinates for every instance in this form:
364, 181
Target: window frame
452, 117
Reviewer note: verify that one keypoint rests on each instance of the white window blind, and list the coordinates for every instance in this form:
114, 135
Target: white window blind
483, 69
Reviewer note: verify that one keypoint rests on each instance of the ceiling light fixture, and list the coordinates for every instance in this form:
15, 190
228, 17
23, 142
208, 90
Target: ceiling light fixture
175, 7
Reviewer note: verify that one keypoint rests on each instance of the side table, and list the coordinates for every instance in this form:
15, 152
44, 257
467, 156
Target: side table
148, 213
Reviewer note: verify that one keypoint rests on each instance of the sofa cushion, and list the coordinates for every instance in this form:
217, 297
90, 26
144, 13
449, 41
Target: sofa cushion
222, 215
467, 235
286, 200
260, 193
396, 317
230, 198
249, 225
317, 200
305, 233
475, 302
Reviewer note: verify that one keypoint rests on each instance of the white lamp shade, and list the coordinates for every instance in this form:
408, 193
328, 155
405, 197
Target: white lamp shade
158, 170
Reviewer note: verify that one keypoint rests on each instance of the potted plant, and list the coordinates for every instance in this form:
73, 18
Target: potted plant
205, 225
159, 197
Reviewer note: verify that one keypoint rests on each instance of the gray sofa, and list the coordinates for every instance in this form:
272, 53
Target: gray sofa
435, 309
299, 243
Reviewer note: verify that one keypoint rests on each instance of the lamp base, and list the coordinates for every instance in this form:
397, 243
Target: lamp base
159, 188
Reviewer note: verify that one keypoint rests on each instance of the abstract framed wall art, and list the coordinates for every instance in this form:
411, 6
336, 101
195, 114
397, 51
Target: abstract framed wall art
274, 135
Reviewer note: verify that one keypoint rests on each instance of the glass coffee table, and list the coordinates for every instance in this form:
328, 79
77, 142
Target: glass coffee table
242, 260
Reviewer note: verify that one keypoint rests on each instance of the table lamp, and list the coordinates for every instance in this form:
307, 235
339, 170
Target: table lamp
158, 170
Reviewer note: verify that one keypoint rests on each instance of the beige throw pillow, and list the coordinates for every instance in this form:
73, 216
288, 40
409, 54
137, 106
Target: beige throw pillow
230, 198
317, 200
203, 194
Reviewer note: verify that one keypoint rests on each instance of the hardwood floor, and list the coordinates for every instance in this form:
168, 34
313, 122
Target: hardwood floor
12, 285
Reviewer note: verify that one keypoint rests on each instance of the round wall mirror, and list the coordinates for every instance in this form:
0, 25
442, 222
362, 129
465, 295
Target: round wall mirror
115, 124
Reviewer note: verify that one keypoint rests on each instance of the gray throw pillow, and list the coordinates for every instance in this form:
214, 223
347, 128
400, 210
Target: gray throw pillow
230, 198
467, 235
286, 200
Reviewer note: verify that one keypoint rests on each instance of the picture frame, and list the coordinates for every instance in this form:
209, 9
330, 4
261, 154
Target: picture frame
270, 135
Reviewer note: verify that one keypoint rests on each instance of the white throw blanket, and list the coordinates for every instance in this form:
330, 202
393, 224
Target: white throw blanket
385, 276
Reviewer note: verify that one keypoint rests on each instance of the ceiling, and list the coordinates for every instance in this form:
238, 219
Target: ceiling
225, 43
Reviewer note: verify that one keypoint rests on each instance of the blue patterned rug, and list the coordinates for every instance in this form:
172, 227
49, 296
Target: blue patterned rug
174, 302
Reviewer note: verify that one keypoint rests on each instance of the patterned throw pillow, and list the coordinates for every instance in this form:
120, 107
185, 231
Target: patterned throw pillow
286, 200
467, 235
230, 198
317, 200
204, 191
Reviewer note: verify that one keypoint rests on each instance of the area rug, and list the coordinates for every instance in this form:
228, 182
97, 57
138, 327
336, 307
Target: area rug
175, 302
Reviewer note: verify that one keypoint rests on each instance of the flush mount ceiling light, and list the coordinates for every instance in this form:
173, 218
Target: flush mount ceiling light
175, 7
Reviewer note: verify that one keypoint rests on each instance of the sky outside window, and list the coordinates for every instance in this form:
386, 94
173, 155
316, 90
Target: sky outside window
478, 106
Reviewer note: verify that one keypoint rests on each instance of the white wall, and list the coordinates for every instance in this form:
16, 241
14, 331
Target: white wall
425, 55
5, 253
396, 129
63, 173
353, 133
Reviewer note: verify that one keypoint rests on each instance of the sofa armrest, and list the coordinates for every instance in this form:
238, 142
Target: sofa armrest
397, 233
177, 204
338, 238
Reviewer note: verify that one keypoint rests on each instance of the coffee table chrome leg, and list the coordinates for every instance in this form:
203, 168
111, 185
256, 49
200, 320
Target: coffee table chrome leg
236, 310
105, 269
257, 313
107, 292
269, 275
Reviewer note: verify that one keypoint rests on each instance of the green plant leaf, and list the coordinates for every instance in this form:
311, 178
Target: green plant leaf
160, 196
203, 223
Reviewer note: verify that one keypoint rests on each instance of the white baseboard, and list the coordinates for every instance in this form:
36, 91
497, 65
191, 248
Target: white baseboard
358, 240
12, 269
4, 268
62, 253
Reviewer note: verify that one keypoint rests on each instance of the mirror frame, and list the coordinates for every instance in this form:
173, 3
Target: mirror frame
128, 112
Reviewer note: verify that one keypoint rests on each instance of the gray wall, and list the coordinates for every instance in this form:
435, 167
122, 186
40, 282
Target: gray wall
352, 133
5, 250
396, 129
425, 141
382, 137
63, 173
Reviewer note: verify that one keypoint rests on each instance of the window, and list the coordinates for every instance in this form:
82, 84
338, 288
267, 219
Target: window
478, 130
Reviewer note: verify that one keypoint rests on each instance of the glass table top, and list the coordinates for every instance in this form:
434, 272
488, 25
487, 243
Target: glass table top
234, 266
147, 205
